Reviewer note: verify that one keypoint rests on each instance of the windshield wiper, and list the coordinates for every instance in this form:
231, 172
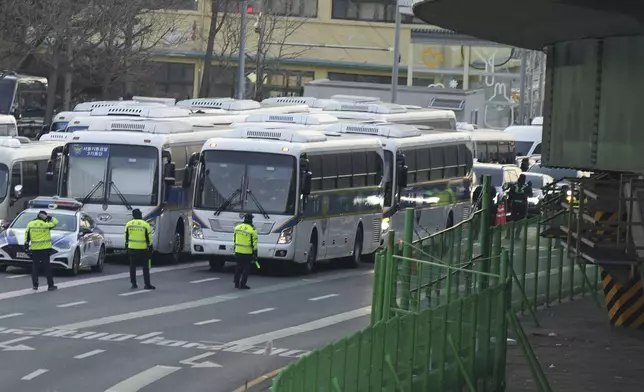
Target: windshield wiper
92, 191
226, 204
259, 206
120, 195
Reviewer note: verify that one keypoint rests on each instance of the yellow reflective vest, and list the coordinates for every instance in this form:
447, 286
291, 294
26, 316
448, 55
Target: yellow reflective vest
138, 234
38, 234
245, 239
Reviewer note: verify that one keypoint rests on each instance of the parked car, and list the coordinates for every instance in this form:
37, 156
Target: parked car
539, 181
501, 175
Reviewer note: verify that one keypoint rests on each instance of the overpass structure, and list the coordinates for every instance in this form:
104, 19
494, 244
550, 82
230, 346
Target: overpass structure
592, 108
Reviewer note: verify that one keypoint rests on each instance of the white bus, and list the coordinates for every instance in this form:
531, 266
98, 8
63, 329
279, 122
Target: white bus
430, 172
116, 166
23, 167
238, 106
314, 197
493, 146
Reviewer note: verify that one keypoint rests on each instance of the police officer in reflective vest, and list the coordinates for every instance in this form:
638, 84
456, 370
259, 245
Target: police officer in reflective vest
138, 241
38, 243
519, 193
245, 250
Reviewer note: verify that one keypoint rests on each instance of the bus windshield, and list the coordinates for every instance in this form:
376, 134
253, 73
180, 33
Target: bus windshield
269, 177
59, 126
7, 91
113, 168
4, 181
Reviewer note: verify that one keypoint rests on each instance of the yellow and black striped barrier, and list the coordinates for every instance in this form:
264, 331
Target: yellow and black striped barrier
625, 303
606, 233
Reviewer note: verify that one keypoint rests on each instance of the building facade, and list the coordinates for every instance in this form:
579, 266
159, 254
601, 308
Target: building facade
302, 40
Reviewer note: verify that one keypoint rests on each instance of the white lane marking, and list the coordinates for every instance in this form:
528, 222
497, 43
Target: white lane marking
143, 379
98, 279
204, 280
68, 305
261, 311
148, 335
323, 297
201, 302
34, 374
302, 328
134, 293
89, 354
207, 322
6, 346
205, 364
6, 316
16, 276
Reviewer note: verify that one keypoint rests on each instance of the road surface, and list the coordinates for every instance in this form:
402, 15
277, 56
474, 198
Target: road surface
194, 333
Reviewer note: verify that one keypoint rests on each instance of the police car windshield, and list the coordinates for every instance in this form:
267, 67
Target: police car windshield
270, 177
522, 148
4, 181
66, 222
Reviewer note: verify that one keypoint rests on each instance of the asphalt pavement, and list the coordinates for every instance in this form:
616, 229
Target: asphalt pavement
194, 333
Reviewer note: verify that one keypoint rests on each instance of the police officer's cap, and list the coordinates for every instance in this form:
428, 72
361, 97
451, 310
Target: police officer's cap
136, 214
248, 217
43, 213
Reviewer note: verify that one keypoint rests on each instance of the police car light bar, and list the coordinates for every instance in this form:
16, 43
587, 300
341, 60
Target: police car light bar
55, 203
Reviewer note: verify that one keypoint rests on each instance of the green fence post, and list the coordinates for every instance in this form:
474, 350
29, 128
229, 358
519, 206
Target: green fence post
548, 270
390, 283
450, 274
378, 288
501, 341
535, 292
408, 237
572, 263
524, 255
485, 231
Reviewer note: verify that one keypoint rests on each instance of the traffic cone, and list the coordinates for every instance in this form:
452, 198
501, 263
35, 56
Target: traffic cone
500, 214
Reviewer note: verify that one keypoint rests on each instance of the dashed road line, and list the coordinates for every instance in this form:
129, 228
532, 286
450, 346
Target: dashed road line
134, 293
34, 374
203, 302
204, 280
323, 297
261, 311
6, 316
207, 322
17, 276
302, 328
89, 354
143, 379
97, 279
69, 305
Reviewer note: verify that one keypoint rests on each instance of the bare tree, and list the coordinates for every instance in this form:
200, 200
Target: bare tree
130, 33
274, 31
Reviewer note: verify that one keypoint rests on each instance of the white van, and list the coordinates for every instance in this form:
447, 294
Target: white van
527, 139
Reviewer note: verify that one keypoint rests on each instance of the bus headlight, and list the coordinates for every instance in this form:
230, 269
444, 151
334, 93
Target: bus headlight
197, 232
286, 236
384, 226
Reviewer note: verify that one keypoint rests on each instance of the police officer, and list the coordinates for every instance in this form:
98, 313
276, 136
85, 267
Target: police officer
519, 193
245, 250
38, 243
138, 241
525, 164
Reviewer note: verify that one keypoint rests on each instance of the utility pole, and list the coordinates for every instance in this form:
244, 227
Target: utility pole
394, 73
241, 64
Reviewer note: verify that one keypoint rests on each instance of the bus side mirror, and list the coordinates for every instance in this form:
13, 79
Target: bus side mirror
306, 183
168, 173
402, 176
51, 163
17, 191
49, 176
187, 176
194, 158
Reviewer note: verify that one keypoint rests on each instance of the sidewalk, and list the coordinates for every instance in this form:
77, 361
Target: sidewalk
579, 351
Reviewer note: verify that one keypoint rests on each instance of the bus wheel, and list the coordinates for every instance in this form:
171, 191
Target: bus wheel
354, 260
216, 263
177, 246
312, 254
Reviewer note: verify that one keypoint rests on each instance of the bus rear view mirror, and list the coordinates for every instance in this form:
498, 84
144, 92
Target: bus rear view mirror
169, 173
187, 176
17, 191
402, 176
49, 175
306, 183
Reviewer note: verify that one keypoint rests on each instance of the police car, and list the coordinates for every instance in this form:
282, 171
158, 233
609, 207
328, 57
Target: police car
76, 241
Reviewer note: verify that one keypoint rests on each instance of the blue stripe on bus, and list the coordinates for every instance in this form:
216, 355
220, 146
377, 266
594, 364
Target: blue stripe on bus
200, 222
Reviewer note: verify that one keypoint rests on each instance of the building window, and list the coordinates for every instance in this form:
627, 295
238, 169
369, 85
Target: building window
174, 79
286, 83
369, 10
301, 8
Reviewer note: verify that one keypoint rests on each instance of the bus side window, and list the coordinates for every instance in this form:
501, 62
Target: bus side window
315, 167
462, 160
422, 165
437, 163
344, 170
493, 152
451, 161
360, 169
537, 150
30, 179
374, 168
16, 175
481, 152
180, 160
329, 171
410, 161
47, 188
